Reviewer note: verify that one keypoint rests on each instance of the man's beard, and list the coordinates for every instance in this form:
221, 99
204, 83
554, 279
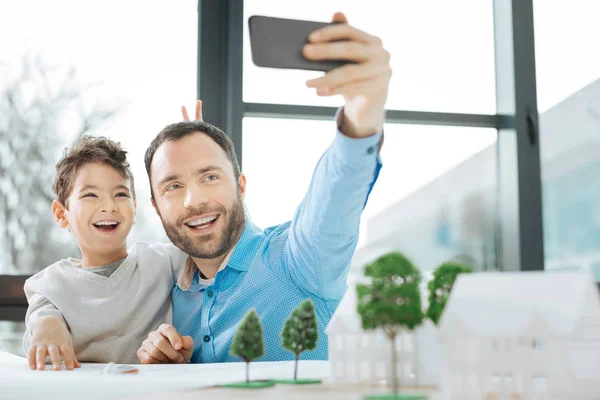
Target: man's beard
199, 247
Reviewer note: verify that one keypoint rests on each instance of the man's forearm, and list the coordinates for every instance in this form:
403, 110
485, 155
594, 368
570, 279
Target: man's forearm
324, 232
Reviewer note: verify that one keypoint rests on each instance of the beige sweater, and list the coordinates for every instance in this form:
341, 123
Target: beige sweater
108, 317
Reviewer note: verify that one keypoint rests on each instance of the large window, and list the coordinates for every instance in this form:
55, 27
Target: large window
435, 199
119, 69
568, 86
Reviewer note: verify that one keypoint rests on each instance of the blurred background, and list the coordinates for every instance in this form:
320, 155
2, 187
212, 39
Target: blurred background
123, 69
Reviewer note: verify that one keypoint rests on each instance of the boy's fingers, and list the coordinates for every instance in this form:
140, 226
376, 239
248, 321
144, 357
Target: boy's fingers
31, 356
184, 113
170, 333
40, 356
77, 363
67, 355
199, 110
54, 354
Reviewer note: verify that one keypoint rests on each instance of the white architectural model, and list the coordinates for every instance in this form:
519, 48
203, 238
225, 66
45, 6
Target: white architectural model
527, 335
358, 356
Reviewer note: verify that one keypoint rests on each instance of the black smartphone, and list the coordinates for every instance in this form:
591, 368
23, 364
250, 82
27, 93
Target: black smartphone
278, 43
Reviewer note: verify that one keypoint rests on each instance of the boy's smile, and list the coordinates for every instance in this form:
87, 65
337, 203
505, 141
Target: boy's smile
107, 226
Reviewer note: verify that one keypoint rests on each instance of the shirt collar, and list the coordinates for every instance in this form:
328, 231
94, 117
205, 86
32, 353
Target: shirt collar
237, 258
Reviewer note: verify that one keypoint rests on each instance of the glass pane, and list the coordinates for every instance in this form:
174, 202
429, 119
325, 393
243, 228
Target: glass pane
101, 70
569, 102
565, 59
434, 200
442, 53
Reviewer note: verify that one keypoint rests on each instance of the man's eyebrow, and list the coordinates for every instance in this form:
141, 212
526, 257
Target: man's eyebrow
208, 168
167, 179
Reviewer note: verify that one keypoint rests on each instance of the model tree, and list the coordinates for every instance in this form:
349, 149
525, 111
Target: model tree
440, 287
300, 331
248, 343
391, 301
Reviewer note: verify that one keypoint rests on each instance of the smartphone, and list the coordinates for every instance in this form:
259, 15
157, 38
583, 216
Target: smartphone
278, 43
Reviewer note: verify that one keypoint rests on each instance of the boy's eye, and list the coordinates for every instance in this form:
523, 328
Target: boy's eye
173, 187
89, 195
122, 194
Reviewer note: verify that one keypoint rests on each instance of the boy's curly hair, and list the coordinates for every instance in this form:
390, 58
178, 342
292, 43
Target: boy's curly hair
89, 149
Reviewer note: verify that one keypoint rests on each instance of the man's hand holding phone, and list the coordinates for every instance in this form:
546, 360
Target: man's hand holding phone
356, 64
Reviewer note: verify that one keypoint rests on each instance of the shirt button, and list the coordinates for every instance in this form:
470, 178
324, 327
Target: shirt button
206, 338
371, 150
209, 293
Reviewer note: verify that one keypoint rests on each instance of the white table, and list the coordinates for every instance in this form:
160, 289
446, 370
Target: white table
181, 382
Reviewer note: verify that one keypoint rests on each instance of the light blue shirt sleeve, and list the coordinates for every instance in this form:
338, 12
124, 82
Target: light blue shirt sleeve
324, 231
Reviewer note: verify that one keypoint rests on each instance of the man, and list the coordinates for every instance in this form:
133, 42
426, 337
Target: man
233, 266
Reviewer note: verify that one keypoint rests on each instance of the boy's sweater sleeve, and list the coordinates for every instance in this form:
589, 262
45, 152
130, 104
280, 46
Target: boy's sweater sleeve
39, 306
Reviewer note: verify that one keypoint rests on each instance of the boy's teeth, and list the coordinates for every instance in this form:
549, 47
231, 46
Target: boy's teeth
106, 223
202, 221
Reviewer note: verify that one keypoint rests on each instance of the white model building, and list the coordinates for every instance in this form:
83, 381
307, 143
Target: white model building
523, 335
359, 356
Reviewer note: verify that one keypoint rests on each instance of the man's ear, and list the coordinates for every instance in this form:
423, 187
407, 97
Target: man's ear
154, 205
60, 215
242, 185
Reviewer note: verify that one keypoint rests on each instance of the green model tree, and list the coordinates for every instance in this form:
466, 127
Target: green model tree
300, 331
248, 343
440, 287
392, 300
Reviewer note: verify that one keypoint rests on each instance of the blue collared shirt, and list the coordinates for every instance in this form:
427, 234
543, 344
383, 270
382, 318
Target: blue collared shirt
273, 270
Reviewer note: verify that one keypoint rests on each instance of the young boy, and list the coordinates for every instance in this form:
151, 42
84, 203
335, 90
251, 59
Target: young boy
99, 308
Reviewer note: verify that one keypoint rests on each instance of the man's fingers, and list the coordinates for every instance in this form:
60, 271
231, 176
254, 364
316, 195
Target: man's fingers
40, 356
170, 333
160, 349
346, 50
54, 354
348, 73
187, 343
341, 31
188, 348
146, 358
339, 17
184, 113
199, 110
31, 356
67, 355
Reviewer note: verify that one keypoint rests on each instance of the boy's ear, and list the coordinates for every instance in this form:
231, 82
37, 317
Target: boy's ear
60, 216
134, 211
